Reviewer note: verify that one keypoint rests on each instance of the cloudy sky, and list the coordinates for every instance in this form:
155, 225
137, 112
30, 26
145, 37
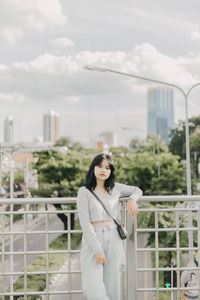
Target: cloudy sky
46, 43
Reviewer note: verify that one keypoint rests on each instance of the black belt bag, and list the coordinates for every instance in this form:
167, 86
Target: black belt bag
121, 230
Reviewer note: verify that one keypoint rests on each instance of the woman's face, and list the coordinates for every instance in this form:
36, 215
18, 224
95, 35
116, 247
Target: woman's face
102, 171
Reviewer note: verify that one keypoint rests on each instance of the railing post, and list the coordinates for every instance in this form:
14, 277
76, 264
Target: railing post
136, 252
47, 251
125, 273
157, 256
11, 227
3, 255
69, 253
25, 251
198, 252
178, 254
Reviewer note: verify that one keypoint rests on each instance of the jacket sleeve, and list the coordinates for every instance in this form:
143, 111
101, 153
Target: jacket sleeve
132, 192
84, 218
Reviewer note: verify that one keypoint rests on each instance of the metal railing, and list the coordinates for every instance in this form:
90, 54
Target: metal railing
23, 241
18, 243
176, 210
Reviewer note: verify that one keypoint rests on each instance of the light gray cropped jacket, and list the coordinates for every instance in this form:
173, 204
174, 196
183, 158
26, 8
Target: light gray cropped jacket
90, 210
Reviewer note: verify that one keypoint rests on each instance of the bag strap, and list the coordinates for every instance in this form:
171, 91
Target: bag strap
95, 195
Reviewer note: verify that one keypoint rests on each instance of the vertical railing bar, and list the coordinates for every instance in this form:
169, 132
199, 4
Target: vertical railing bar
198, 252
3, 255
157, 255
25, 251
69, 254
177, 255
136, 257
47, 252
11, 227
1, 235
11, 251
123, 215
125, 274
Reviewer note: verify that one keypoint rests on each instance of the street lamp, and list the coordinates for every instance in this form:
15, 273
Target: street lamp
185, 94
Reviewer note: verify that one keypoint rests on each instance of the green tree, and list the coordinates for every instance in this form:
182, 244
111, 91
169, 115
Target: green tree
67, 142
141, 168
59, 175
195, 148
177, 143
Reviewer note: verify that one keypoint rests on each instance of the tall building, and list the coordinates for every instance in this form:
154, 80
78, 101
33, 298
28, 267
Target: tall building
51, 126
160, 112
11, 132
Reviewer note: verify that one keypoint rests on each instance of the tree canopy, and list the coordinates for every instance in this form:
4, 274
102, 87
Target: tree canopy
152, 167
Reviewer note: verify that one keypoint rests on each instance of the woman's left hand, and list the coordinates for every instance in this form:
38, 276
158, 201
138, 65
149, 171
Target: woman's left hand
132, 207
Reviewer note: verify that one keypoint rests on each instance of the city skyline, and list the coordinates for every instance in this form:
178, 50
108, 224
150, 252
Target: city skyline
51, 132
44, 46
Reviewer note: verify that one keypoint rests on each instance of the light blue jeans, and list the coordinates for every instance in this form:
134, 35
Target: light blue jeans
102, 282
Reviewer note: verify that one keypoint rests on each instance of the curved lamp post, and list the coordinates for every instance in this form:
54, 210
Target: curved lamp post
185, 94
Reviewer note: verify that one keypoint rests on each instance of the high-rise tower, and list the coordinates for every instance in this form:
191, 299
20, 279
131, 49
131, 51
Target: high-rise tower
51, 126
160, 112
11, 134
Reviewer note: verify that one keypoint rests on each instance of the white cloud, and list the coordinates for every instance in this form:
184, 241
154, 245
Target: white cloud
73, 99
11, 35
12, 98
51, 11
70, 99
63, 42
49, 64
195, 35
191, 64
45, 14
3, 68
194, 30
150, 62
144, 60
22, 15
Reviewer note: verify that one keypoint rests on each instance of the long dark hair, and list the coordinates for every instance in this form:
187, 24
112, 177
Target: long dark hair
90, 180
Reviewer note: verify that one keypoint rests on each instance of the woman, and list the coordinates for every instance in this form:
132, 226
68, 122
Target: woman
102, 253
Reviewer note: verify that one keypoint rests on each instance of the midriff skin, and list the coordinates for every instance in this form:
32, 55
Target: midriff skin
102, 223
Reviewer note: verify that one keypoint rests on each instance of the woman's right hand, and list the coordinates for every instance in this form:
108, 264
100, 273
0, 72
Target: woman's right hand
101, 258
